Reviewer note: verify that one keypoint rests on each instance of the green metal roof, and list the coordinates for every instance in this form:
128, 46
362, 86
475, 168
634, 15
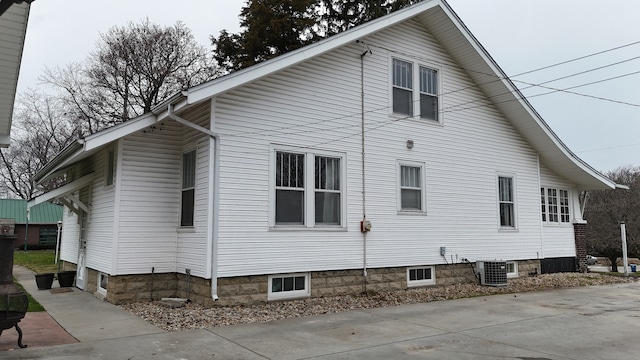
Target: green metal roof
44, 213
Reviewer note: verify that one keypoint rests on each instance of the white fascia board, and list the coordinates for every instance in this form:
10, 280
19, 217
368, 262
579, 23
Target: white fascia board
241, 77
72, 150
61, 191
119, 131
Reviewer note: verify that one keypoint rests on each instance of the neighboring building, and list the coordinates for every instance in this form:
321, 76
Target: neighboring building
41, 223
261, 185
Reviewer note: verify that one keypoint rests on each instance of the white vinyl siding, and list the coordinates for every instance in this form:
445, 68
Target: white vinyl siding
100, 221
558, 238
149, 209
310, 108
69, 237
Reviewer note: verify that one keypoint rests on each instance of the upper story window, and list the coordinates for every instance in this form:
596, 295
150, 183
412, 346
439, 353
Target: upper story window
187, 210
308, 189
506, 202
411, 187
409, 100
554, 205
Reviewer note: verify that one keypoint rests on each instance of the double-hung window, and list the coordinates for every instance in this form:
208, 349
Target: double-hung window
409, 100
308, 189
506, 202
187, 210
554, 205
411, 187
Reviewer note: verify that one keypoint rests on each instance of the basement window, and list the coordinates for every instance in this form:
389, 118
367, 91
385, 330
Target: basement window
421, 276
288, 286
103, 281
512, 269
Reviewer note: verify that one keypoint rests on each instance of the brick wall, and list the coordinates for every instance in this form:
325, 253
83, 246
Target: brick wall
579, 231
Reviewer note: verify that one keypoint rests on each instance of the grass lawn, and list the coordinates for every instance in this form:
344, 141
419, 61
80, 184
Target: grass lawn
40, 261
34, 306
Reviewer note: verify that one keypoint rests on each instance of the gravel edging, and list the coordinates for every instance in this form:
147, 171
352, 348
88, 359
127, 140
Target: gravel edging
194, 316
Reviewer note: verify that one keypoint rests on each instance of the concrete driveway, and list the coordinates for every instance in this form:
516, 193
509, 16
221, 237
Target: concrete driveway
597, 322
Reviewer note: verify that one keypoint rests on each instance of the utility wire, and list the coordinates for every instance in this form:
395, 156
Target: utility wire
459, 107
578, 58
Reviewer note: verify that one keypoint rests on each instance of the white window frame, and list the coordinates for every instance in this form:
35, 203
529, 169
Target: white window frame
416, 89
399, 187
514, 196
291, 294
421, 282
185, 151
100, 289
309, 189
563, 214
110, 168
514, 273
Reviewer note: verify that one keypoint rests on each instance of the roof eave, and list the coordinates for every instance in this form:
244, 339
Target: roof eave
494, 82
255, 72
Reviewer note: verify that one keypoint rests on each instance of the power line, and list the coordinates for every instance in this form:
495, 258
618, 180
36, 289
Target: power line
458, 107
578, 58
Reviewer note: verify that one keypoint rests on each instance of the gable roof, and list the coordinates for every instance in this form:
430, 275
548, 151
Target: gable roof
442, 22
13, 27
44, 213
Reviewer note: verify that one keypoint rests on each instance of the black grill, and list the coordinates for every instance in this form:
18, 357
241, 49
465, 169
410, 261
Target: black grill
13, 300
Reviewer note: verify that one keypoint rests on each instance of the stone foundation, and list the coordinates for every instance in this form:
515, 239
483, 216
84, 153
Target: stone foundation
248, 290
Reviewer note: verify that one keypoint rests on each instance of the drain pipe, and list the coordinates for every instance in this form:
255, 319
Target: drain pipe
213, 194
365, 225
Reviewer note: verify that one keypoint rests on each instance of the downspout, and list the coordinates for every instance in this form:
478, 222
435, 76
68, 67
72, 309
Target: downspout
541, 253
213, 202
363, 228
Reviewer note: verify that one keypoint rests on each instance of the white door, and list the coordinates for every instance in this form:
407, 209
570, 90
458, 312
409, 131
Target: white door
81, 271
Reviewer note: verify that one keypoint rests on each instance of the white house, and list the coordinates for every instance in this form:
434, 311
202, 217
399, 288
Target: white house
393, 155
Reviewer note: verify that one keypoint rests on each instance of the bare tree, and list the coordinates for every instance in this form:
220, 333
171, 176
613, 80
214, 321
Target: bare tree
42, 129
606, 209
133, 69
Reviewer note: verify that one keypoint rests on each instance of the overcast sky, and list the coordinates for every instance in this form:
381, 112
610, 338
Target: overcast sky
601, 123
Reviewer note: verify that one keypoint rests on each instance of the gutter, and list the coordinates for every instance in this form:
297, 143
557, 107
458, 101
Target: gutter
213, 194
51, 165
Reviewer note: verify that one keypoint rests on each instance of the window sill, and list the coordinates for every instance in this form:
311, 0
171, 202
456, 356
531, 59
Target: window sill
398, 116
412, 212
508, 229
555, 224
421, 283
186, 230
304, 228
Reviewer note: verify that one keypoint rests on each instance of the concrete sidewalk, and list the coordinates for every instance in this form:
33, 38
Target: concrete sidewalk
597, 322
81, 314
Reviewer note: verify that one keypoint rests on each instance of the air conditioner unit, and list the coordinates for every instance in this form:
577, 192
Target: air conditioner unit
492, 273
